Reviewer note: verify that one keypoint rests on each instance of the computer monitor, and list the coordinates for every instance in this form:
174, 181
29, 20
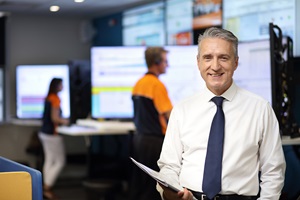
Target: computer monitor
114, 71
207, 14
254, 68
179, 18
144, 25
249, 20
182, 77
32, 84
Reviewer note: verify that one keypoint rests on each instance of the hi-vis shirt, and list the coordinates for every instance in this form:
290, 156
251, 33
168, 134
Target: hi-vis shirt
48, 126
150, 101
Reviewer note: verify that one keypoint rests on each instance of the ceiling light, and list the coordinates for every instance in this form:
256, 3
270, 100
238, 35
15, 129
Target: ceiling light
54, 8
2, 14
78, 1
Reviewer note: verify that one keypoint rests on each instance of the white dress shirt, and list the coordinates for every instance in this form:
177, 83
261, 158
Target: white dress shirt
252, 143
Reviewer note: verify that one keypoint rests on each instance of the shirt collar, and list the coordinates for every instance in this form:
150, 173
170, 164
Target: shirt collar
228, 94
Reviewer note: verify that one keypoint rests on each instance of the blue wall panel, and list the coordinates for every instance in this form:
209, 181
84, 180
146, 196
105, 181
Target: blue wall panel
109, 30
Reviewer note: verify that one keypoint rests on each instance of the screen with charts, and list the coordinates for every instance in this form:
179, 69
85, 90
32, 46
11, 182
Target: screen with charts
115, 70
207, 14
179, 17
182, 77
144, 25
249, 20
32, 84
254, 68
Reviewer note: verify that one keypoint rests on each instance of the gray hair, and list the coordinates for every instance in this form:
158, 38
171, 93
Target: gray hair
215, 32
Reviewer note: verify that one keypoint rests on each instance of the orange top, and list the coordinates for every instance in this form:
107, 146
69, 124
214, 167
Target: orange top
151, 101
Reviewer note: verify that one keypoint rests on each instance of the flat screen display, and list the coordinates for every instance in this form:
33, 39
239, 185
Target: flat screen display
32, 84
207, 14
144, 25
115, 70
179, 18
249, 20
254, 68
182, 77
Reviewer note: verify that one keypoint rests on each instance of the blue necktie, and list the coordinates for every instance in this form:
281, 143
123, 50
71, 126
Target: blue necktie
211, 184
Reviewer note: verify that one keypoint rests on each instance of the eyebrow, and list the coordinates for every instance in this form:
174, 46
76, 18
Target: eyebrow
220, 55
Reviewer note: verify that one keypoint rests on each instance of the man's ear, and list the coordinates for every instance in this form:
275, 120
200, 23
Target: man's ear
236, 63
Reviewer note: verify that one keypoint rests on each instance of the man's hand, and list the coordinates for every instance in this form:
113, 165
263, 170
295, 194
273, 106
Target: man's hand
168, 194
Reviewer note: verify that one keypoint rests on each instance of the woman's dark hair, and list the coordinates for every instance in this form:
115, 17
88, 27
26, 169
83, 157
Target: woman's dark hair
54, 86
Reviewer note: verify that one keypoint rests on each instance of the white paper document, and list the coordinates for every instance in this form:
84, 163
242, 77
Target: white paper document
155, 175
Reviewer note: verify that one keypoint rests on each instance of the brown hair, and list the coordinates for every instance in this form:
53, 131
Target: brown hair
153, 55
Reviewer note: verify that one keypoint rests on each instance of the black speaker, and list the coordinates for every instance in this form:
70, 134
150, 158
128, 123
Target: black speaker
80, 89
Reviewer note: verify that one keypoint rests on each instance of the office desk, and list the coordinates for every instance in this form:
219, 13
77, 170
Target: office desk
26, 122
76, 130
89, 128
286, 140
93, 127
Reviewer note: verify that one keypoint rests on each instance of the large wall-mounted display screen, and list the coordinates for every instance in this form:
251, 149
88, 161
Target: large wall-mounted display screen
254, 68
115, 70
144, 25
207, 14
249, 20
182, 78
179, 18
32, 84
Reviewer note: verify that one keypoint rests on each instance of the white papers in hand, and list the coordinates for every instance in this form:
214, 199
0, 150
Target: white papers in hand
155, 175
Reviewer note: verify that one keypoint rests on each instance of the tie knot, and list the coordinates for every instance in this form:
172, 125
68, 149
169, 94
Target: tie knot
218, 100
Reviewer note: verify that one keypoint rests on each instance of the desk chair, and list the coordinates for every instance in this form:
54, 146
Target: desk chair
15, 186
15, 168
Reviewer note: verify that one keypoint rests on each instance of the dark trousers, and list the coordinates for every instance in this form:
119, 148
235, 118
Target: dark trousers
145, 149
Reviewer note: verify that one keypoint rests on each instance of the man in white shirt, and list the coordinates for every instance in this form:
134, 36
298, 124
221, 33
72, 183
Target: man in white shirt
253, 162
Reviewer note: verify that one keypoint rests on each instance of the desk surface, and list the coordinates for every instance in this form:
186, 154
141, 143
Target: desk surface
26, 122
287, 140
87, 127
93, 127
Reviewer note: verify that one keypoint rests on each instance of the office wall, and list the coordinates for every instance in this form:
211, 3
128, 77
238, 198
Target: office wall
37, 40
109, 30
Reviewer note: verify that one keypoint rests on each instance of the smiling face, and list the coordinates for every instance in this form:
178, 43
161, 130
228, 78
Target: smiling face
217, 63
